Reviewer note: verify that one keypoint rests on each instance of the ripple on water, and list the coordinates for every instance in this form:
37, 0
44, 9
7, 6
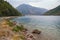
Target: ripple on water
49, 25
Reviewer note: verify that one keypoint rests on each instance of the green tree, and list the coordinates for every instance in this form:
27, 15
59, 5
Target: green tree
7, 10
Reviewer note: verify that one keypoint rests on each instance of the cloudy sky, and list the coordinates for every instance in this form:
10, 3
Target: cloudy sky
48, 4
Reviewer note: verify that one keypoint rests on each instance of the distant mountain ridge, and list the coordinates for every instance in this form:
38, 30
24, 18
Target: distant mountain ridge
55, 11
7, 10
26, 9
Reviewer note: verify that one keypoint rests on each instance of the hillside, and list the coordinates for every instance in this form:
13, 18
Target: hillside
26, 9
55, 11
7, 10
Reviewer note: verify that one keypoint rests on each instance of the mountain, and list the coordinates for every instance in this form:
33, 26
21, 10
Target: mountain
7, 10
26, 9
55, 11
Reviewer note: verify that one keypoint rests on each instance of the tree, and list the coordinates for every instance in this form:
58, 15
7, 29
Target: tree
7, 10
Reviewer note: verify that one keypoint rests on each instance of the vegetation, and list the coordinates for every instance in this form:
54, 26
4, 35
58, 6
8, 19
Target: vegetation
55, 11
9, 23
19, 37
7, 10
7, 30
18, 28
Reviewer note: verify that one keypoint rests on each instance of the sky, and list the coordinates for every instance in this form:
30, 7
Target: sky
47, 4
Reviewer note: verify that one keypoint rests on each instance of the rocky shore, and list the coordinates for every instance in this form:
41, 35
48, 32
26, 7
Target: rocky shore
11, 31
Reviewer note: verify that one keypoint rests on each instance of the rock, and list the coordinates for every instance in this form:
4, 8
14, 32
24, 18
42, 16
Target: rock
30, 37
24, 30
36, 31
14, 23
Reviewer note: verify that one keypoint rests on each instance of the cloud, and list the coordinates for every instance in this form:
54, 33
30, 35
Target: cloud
48, 4
26, 0
15, 3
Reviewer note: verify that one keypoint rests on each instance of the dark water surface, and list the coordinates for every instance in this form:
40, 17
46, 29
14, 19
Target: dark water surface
49, 25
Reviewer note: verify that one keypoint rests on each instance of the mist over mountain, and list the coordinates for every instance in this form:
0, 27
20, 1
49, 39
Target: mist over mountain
55, 11
26, 9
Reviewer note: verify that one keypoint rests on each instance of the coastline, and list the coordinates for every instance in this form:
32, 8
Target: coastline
45, 35
8, 29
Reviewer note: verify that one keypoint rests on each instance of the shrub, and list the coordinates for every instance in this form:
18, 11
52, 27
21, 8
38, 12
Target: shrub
18, 28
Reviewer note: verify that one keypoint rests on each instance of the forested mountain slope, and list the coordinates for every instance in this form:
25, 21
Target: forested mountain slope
7, 10
55, 11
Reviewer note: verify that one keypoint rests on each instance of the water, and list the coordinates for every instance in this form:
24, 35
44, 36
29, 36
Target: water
49, 25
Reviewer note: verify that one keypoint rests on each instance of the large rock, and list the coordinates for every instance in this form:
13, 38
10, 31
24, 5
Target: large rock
36, 31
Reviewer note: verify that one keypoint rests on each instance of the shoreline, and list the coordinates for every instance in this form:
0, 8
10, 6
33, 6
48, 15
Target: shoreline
44, 35
8, 29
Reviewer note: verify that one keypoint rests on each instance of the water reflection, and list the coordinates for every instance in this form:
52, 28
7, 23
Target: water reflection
50, 25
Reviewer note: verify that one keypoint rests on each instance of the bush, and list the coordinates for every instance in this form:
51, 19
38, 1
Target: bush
18, 28
10, 23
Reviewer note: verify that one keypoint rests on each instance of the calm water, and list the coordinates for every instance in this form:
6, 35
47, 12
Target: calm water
49, 25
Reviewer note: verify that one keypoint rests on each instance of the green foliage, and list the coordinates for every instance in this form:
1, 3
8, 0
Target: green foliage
7, 10
55, 11
10, 23
15, 27
1, 1
18, 28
